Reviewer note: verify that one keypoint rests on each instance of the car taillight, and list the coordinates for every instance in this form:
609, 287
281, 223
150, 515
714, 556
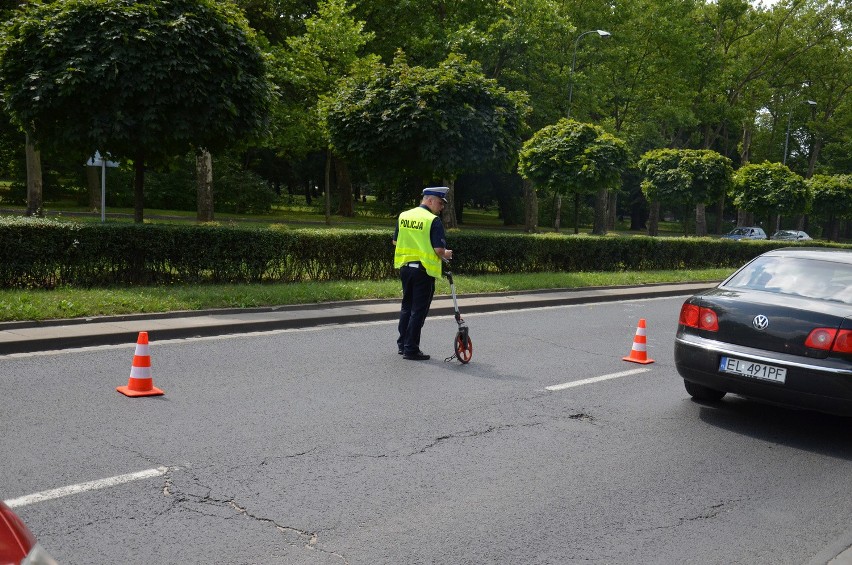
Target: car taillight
821, 338
708, 320
699, 318
689, 315
843, 342
830, 339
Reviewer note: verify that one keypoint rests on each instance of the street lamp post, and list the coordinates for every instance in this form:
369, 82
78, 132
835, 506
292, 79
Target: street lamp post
810, 103
601, 33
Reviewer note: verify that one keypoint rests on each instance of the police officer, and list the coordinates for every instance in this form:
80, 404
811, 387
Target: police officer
420, 246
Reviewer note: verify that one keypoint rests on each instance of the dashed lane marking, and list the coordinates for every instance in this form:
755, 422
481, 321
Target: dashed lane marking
84, 487
572, 384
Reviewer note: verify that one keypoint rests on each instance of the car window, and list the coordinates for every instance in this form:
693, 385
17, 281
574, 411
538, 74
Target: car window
739, 231
812, 278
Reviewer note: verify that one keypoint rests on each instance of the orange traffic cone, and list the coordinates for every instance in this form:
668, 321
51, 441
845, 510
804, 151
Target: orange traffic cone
140, 382
639, 351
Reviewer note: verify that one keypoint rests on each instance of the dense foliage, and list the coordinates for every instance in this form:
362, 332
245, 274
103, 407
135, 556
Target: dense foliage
769, 187
572, 157
38, 253
437, 122
139, 80
750, 82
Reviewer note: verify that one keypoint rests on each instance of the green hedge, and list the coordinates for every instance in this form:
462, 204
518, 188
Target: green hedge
39, 253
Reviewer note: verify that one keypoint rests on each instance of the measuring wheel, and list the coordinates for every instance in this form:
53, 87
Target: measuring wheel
464, 347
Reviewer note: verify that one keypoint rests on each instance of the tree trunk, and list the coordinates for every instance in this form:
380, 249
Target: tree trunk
834, 234
34, 182
600, 212
93, 183
812, 161
328, 188
576, 213
611, 208
700, 219
138, 188
746, 145
720, 213
449, 215
204, 178
557, 213
742, 217
654, 218
530, 207
344, 188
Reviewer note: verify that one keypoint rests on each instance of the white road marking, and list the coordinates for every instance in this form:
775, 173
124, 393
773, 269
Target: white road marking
84, 487
596, 379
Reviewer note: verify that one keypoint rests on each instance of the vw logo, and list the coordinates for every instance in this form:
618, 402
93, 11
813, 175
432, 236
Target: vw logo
760, 322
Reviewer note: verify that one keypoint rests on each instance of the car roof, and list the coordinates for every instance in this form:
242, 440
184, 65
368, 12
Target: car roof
822, 253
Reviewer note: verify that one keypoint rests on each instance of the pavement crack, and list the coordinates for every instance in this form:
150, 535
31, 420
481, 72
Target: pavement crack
204, 502
308, 539
708, 513
267, 460
471, 434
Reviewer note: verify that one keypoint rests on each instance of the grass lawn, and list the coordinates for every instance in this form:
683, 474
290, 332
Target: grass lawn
295, 212
76, 302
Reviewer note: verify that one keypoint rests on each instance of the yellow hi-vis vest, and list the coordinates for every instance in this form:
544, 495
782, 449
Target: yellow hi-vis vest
413, 242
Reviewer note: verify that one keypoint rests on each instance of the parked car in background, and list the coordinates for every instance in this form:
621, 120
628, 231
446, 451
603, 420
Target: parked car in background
752, 232
778, 330
791, 235
18, 545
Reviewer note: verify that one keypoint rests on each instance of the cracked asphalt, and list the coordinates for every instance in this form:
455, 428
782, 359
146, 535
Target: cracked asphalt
322, 446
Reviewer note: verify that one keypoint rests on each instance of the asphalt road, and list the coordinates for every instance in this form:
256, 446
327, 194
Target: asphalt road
324, 446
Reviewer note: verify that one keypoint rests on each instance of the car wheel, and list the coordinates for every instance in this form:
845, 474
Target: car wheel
701, 392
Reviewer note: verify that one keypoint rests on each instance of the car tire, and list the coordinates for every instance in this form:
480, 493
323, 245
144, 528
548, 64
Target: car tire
701, 392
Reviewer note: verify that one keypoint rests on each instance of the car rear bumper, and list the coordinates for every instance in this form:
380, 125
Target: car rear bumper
816, 384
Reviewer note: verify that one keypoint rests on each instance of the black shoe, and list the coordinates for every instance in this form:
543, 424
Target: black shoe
400, 351
416, 356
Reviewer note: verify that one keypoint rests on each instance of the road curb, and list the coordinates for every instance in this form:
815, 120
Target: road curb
27, 337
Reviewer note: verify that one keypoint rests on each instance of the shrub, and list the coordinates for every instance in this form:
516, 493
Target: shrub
42, 253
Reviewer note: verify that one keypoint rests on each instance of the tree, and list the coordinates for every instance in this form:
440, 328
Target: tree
432, 122
524, 45
277, 19
770, 188
689, 178
832, 199
570, 157
306, 70
141, 80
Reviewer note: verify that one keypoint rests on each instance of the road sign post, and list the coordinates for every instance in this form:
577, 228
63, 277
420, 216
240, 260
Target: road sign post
103, 163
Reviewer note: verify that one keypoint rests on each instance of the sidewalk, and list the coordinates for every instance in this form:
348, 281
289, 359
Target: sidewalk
23, 337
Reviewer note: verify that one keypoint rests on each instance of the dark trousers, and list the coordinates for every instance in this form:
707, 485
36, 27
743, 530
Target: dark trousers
417, 291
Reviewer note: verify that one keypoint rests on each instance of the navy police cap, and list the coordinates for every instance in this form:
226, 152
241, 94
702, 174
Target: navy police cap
439, 191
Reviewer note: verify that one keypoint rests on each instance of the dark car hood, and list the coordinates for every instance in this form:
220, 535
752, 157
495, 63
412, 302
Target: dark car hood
791, 319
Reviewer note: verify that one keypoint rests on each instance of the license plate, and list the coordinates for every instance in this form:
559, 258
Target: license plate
753, 370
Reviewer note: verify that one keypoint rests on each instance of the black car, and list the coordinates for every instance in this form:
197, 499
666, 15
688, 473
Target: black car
778, 330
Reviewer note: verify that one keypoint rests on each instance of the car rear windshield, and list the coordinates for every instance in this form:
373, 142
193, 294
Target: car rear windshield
812, 278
